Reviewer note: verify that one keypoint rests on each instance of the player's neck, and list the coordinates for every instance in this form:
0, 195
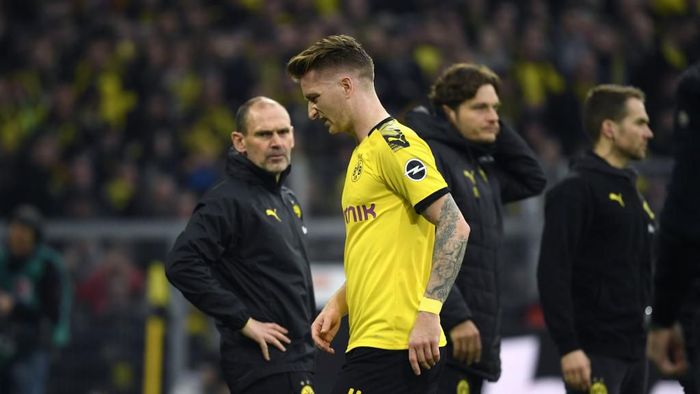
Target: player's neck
369, 111
611, 155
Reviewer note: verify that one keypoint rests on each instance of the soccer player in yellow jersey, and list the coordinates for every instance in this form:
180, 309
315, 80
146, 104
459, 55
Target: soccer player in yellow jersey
405, 236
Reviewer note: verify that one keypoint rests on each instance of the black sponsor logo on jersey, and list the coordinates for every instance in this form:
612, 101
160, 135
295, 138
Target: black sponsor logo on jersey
415, 170
395, 139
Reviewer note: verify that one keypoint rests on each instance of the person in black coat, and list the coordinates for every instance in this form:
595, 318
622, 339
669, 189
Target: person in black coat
485, 164
243, 260
594, 273
677, 290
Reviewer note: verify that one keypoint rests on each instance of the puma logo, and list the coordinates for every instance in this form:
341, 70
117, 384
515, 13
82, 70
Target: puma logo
395, 139
273, 213
472, 178
617, 197
470, 175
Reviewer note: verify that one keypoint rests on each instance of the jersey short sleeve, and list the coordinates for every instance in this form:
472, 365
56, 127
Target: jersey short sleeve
407, 165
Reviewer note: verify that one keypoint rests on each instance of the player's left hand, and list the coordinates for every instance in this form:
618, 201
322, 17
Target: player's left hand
665, 347
424, 342
466, 342
325, 327
264, 333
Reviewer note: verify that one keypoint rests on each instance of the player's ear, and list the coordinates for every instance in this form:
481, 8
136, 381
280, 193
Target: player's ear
238, 141
608, 129
450, 114
347, 84
291, 135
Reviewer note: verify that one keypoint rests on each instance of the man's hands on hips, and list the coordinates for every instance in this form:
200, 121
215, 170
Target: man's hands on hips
665, 347
576, 368
466, 342
424, 342
264, 334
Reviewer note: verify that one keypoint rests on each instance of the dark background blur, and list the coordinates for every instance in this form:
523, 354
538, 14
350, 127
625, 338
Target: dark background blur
115, 117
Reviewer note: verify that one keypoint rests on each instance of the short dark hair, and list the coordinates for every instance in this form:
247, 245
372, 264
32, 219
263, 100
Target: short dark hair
460, 82
242, 114
606, 102
331, 52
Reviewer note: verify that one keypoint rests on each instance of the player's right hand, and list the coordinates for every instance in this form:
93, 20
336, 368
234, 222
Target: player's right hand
466, 342
576, 368
324, 328
264, 333
424, 342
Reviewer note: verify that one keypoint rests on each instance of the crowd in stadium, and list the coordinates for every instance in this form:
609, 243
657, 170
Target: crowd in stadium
124, 109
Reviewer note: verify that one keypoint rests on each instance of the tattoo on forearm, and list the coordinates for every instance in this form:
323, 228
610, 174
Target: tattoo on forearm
448, 252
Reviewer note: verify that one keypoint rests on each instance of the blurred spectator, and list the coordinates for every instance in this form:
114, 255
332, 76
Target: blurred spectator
151, 84
35, 300
113, 283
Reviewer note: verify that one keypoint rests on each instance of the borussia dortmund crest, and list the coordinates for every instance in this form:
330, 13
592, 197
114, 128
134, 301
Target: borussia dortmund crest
357, 171
297, 210
599, 388
307, 390
463, 387
306, 387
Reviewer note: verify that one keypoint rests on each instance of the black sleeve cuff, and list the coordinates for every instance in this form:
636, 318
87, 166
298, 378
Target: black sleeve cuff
425, 203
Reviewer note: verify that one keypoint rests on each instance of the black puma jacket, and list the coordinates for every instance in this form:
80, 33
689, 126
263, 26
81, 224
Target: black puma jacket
595, 266
481, 179
243, 255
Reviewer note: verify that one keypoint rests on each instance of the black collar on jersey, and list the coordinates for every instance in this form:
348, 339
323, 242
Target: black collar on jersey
378, 125
239, 166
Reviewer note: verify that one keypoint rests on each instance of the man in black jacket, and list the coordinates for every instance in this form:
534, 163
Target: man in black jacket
485, 164
677, 292
242, 259
594, 272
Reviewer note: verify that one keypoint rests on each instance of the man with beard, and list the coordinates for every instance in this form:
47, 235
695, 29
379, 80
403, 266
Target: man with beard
243, 259
594, 272
485, 164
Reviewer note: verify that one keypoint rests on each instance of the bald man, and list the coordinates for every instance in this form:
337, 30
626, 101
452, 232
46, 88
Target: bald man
242, 259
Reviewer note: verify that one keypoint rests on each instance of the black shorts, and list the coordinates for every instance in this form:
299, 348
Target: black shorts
378, 371
283, 383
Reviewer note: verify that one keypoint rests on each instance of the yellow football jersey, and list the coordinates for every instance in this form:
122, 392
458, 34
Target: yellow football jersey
391, 177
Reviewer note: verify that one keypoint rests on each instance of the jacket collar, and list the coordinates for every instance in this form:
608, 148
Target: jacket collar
238, 166
592, 162
431, 126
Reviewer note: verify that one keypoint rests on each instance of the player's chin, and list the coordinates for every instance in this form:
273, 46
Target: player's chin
641, 154
277, 166
489, 138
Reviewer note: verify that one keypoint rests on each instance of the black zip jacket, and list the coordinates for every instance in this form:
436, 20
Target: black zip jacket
481, 178
243, 255
678, 266
594, 273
